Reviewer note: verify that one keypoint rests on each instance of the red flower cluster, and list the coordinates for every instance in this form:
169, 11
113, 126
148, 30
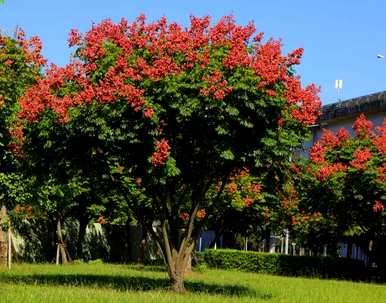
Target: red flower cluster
148, 113
161, 154
317, 153
329, 140
285, 203
314, 216
327, 171
269, 63
378, 207
380, 140
201, 214
305, 102
17, 135
23, 211
295, 168
243, 190
231, 187
362, 126
217, 86
293, 220
74, 37
8, 62
27, 209
247, 201
158, 50
272, 67
256, 188
382, 173
361, 156
184, 216
290, 198
32, 48
343, 134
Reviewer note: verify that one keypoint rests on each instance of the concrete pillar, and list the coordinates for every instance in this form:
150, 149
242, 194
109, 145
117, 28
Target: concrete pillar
286, 247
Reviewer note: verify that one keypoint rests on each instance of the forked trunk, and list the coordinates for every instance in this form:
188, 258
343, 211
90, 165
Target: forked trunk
177, 250
177, 275
178, 265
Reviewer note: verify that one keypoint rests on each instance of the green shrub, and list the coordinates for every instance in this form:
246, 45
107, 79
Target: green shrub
278, 264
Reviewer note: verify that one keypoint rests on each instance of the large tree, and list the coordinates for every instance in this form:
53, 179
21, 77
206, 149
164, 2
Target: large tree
164, 113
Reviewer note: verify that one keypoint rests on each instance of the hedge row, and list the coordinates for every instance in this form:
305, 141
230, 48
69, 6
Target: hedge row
277, 264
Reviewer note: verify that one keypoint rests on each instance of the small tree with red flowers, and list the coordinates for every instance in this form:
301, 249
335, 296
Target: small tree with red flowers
164, 113
342, 188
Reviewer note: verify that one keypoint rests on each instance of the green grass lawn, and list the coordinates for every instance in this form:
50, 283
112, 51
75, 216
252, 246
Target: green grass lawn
83, 283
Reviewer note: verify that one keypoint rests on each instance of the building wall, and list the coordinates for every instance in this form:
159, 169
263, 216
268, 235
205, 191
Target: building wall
347, 122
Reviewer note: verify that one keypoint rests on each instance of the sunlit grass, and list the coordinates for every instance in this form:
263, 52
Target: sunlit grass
122, 283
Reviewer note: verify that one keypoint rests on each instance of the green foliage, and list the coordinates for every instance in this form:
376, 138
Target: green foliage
278, 264
341, 188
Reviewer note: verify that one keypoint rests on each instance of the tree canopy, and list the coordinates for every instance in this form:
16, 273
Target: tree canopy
159, 115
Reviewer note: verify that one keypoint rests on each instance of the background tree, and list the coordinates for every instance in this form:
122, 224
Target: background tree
20, 63
341, 189
246, 210
165, 113
20, 67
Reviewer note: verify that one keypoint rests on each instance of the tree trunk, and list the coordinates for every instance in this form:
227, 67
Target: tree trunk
176, 250
177, 281
178, 270
142, 250
62, 250
177, 263
83, 221
267, 240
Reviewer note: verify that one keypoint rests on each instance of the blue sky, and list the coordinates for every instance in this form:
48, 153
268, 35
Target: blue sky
341, 38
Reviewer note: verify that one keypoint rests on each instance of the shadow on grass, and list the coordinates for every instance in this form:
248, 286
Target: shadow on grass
124, 283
